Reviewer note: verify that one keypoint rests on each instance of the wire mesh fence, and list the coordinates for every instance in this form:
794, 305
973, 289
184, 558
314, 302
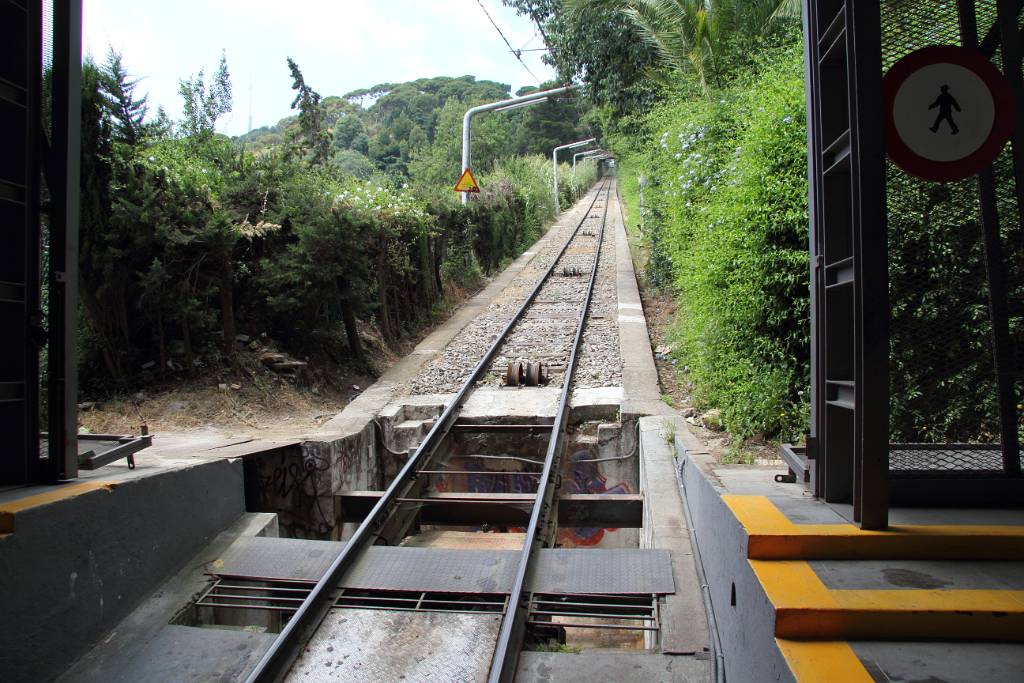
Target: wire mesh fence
944, 413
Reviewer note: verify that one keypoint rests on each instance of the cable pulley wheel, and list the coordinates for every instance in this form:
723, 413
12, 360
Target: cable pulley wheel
533, 374
515, 374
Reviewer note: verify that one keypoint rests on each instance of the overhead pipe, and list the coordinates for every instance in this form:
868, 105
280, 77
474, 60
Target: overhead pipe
554, 164
501, 105
576, 156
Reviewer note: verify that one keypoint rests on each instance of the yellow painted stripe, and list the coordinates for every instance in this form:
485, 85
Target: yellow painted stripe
771, 535
9, 509
827, 662
806, 608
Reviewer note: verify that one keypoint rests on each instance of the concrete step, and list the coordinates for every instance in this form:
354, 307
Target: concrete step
879, 601
869, 661
830, 587
773, 535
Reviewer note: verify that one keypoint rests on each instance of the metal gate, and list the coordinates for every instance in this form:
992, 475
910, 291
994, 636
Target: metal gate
917, 287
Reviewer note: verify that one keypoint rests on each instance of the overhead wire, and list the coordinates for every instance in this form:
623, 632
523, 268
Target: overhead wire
517, 53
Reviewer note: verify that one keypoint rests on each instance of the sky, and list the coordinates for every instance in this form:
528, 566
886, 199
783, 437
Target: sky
340, 46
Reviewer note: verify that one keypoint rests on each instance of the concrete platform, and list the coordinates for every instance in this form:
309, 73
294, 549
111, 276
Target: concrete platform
78, 557
800, 593
610, 665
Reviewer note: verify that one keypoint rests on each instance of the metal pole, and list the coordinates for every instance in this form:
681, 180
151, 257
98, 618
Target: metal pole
63, 176
554, 164
574, 158
513, 103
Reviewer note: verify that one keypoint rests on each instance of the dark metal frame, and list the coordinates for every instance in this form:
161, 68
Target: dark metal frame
62, 178
20, 97
27, 156
849, 269
848, 449
127, 447
282, 652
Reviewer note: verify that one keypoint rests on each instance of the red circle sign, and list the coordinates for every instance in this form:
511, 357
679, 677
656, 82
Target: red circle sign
948, 113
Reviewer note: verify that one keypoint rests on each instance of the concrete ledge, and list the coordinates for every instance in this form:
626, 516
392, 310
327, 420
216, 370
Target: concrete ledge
642, 393
743, 614
76, 566
684, 623
610, 665
145, 646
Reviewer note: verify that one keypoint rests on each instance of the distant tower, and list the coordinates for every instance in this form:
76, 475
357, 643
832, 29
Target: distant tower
250, 105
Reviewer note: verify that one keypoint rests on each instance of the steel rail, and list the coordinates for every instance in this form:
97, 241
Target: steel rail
516, 617
281, 654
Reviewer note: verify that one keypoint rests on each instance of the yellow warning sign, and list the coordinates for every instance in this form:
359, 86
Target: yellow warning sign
467, 183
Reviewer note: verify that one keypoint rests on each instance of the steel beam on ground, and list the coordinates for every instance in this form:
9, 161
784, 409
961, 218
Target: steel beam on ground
603, 510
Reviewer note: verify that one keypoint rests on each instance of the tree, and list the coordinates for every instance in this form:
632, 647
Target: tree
313, 132
202, 108
347, 132
126, 111
698, 37
597, 46
353, 163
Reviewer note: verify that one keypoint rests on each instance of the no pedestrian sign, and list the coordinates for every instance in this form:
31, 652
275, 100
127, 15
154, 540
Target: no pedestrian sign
949, 111
467, 183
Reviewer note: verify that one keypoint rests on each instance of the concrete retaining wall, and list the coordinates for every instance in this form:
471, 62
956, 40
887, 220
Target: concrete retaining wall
744, 616
73, 569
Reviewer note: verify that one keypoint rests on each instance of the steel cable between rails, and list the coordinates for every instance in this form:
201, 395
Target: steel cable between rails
513, 621
278, 658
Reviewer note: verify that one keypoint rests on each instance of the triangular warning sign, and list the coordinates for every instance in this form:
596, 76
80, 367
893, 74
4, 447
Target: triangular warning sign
467, 183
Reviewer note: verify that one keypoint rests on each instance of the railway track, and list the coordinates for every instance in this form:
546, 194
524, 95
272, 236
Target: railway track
567, 286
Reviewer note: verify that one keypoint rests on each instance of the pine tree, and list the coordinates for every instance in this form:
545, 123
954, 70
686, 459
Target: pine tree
202, 108
118, 89
313, 134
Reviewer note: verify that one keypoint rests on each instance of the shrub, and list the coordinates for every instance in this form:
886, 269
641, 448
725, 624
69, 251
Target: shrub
726, 215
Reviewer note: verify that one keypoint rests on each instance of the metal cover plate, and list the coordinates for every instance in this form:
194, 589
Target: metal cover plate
493, 571
433, 569
385, 646
599, 570
576, 570
277, 558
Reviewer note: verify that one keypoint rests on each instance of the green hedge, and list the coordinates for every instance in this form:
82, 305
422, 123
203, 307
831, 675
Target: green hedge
725, 210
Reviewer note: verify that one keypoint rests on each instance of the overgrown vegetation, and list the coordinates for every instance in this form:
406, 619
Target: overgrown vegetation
338, 218
721, 158
725, 195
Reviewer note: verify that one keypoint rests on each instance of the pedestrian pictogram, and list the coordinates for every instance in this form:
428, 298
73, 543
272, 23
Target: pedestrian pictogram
946, 104
467, 183
949, 112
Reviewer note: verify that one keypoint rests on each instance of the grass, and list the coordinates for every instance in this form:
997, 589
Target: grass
552, 646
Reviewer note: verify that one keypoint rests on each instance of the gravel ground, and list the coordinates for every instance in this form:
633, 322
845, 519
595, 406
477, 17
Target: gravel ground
600, 364
545, 332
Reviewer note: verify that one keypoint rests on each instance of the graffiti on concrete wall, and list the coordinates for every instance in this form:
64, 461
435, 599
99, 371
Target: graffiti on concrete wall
578, 476
585, 477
